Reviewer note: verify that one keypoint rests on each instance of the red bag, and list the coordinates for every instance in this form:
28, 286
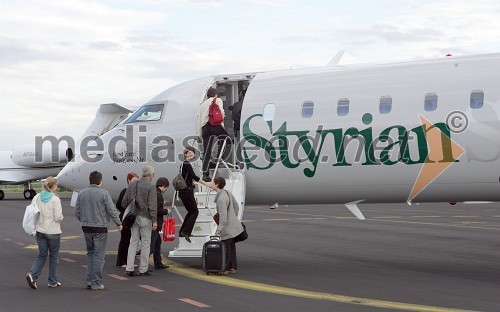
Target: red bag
215, 117
169, 229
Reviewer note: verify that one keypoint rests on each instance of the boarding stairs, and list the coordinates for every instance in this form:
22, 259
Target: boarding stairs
205, 225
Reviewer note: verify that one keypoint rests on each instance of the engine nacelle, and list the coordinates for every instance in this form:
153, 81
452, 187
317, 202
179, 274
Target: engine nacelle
28, 155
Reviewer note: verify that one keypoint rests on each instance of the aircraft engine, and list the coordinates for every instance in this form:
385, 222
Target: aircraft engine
27, 155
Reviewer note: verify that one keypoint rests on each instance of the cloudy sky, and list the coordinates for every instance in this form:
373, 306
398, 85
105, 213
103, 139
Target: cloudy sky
60, 59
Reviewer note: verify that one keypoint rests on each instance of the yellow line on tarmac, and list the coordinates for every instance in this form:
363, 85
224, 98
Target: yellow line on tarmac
440, 224
233, 282
70, 237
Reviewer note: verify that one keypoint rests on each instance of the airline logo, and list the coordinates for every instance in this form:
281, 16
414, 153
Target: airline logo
429, 144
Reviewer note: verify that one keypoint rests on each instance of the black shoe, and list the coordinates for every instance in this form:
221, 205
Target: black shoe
185, 236
207, 178
130, 273
161, 266
145, 274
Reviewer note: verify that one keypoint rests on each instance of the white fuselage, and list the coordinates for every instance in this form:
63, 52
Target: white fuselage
297, 149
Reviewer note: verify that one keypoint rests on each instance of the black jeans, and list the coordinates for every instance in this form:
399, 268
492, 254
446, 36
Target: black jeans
231, 262
121, 259
187, 197
156, 245
209, 134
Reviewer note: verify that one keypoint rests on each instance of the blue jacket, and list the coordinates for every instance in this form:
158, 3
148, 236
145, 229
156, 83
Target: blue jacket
94, 207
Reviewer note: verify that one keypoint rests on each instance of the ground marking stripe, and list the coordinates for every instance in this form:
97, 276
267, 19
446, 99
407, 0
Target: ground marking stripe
148, 287
68, 259
193, 302
118, 277
20, 244
440, 224
233, 282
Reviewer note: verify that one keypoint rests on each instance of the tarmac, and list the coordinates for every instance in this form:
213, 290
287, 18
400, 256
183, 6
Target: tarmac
427, 257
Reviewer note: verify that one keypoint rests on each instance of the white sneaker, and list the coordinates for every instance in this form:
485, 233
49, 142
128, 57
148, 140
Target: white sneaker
31, 281
100, 287
55, 285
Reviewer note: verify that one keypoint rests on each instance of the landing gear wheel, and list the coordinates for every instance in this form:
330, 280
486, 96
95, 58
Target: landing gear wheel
33, 193
2, 195
28, 194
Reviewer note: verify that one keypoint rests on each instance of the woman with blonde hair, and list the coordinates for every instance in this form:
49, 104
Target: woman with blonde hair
48, 233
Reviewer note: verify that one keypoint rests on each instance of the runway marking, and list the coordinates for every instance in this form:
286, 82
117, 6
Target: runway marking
195, 303
466, 216
245, 284
70, 237
426, 216
276, 220
31, 247
118, 277
388, 217
68, 260
148, 287
20, 244
7, 239
443, 224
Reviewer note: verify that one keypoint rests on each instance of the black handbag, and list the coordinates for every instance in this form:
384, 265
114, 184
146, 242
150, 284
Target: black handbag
130, 213
243, 235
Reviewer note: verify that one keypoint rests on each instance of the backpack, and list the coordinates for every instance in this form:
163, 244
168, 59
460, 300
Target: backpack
215, 117
31, 215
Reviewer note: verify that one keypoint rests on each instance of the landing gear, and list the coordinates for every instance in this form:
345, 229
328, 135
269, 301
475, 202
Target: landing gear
29, 192
2, 195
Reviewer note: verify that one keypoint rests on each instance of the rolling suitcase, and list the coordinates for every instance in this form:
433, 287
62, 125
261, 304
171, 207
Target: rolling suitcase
214, 256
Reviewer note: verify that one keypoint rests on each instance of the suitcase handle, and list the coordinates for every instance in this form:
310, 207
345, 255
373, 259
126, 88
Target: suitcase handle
215, 238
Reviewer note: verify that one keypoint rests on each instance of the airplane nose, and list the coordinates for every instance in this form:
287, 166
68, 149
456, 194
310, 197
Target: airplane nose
70, 175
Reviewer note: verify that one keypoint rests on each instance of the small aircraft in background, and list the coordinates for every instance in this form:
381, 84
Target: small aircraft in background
25, 163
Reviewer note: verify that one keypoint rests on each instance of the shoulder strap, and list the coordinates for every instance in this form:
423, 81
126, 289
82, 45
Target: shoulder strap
230, 200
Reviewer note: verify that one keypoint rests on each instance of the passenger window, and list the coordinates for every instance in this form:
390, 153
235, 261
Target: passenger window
343, 107
431, 102
269, 110
385, 106
307, 109
476, 99
147, 113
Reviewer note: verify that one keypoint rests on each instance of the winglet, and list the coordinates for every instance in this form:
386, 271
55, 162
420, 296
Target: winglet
336, 59
353, 207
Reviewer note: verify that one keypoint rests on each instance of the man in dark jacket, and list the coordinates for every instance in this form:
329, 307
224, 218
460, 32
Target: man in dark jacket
161, 186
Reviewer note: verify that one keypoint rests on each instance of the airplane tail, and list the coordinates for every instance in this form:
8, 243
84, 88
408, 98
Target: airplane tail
107, 116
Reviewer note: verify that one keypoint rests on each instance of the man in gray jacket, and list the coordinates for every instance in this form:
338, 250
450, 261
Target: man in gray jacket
94, 209
144, 194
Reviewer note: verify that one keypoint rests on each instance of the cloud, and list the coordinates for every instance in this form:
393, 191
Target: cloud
104, 45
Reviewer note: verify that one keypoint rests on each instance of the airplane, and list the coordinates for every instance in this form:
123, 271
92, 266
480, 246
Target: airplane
21, 166
416, 131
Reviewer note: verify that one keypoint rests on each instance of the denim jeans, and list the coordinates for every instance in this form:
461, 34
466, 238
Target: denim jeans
96, 250
47, 244
141, 229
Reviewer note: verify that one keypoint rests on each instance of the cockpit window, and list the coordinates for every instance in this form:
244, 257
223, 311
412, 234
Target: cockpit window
147, 113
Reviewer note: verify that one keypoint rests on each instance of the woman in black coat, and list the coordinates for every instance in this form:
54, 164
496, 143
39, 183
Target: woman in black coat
187, 194
121, 259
